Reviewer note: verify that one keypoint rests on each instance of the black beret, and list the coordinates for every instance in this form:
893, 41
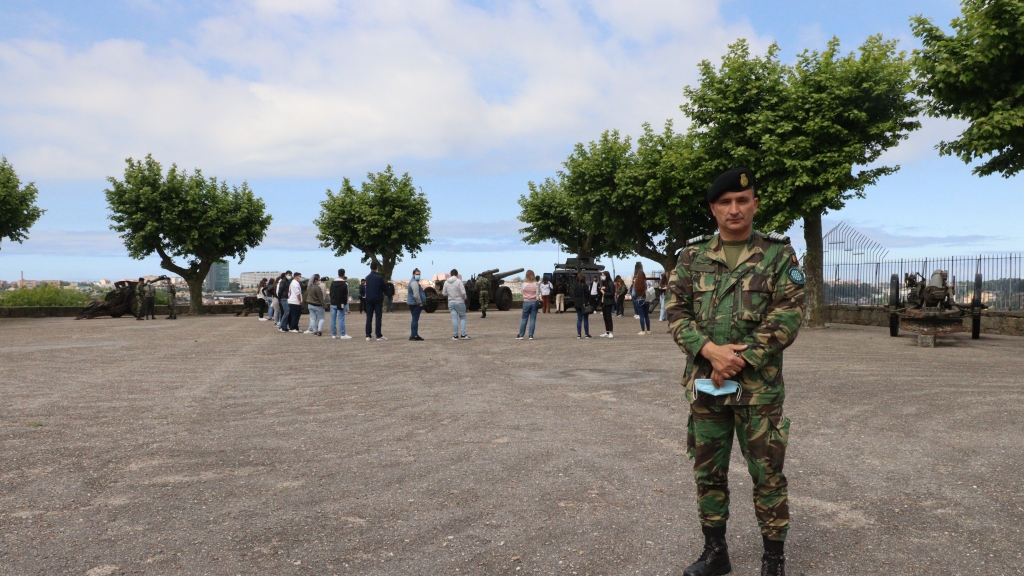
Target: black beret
735, 180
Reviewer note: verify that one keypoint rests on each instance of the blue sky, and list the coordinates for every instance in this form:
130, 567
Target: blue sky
473, 99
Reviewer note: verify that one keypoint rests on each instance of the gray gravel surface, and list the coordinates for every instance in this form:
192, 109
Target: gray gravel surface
218, 445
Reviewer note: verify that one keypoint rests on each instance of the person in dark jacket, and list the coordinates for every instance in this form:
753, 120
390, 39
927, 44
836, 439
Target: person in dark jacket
374, 301
607, 303
389, 295
580, 300
282, 296
416, 300
362, 296
339, 297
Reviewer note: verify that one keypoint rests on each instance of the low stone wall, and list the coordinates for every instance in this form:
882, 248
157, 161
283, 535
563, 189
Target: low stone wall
72, 311
1009, 323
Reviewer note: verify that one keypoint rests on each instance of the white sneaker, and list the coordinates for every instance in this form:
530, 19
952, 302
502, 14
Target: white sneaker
308, 332
605, 335
368, 338
641, 333
263, 319
381, 338
333, 337
344, 337
610, 336
636, 316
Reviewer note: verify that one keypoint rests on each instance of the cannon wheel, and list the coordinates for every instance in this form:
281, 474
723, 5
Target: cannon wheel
503, 298
894, 325
431, 305
894, 291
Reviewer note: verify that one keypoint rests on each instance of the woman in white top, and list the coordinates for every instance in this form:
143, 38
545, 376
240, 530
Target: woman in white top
545, 296
531, 293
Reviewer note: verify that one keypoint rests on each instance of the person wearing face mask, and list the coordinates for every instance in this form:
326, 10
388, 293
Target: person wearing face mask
416, 300
607, 303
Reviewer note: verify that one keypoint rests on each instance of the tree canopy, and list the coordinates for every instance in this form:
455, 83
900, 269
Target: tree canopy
613, 200
811, 131
183, 215
384, 219
977, 74
18, 210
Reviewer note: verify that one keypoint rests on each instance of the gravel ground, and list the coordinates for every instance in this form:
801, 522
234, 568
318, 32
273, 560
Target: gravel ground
217, 445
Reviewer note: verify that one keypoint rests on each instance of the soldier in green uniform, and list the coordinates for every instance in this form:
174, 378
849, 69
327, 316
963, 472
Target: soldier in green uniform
483, 286
172, 301
736, 302
140, 300
150, 309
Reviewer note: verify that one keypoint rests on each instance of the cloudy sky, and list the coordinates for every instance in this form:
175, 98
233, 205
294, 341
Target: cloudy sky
472, 98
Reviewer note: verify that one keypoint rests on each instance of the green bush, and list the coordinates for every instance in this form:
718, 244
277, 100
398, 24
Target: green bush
44, 295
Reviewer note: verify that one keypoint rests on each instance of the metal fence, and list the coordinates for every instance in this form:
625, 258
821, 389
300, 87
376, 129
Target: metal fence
867, 283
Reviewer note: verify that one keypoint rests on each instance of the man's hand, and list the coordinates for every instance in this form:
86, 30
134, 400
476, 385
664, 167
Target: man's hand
725, 361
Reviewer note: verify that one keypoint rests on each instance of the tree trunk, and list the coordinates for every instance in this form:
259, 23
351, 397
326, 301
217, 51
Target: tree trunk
815, 288
388, 267
195, 291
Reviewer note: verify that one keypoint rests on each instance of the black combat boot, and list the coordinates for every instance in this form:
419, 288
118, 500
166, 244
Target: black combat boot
773, 564
484, 315
714, 560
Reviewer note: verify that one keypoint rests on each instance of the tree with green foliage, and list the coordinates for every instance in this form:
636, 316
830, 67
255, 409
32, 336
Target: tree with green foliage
186, 216
977, 74
384, 219
18, 210
809, 131
612, 200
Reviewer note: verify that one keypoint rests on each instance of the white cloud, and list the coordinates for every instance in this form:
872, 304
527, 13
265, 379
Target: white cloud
275, 88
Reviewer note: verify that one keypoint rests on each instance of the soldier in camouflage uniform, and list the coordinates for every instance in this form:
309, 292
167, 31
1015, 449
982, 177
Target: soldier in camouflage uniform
140, 300
172, 301
483, 286
736, 301
150, 308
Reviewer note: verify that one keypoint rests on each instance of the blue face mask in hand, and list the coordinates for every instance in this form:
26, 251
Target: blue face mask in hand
706, 386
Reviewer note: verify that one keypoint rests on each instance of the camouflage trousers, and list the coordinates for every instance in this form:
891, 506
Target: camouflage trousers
485, 300
763, 432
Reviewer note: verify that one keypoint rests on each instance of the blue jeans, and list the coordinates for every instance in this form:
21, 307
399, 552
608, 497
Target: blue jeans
529, 313
270, 308
458, 312
293, 316
663, 314
285, 316
316, 318
337, 319
645, 316
416, 310
582, 321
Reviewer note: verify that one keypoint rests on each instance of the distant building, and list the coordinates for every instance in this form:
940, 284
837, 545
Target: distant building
252, 279
219, 277
105, 283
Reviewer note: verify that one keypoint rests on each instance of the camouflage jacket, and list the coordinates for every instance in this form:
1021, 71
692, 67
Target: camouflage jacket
760, 304
483, 285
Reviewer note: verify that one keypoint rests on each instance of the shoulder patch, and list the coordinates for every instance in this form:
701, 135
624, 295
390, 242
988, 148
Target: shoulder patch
797, 275
698, 239
776, 237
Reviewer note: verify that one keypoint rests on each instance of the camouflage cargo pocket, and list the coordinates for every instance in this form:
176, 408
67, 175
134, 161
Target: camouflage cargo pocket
778, 439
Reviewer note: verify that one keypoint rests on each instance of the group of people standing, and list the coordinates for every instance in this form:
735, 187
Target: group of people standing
282, 298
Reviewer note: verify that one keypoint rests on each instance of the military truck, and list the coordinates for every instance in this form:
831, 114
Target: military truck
571, 268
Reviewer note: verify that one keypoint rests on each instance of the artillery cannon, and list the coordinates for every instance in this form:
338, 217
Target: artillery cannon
501, 295
930, 308
117, 302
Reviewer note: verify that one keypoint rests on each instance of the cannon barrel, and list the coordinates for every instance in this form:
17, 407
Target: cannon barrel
509, 273
486, 272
